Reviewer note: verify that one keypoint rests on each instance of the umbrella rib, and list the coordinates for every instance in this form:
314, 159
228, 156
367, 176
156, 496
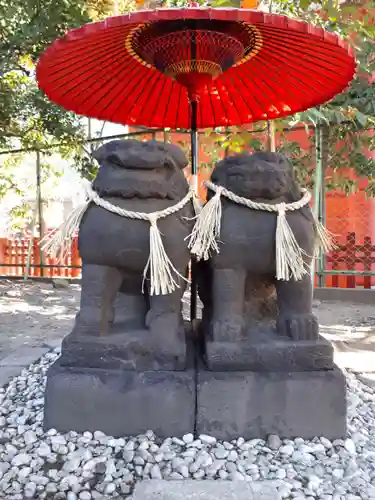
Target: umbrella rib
119, 92
298, 37
79, 43
228, 76
157, 100
83, 69
95, 77
66, 53
214, 122
151, 76
255, 98
169, 100
275, 43
292, 55
178, 108
113, 86
275, 69
262, 93
92, 56
225, 102
287, 62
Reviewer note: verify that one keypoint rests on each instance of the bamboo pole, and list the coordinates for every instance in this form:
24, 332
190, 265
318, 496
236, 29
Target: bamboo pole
271, 136
30, 246
317, 188
40, 208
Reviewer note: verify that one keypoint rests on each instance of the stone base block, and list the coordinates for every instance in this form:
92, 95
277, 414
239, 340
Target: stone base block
205, 490
118, 402
268, 352
126, 350
256, 404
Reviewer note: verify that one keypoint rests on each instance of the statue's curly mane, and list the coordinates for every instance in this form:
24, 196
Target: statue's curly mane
135, 169
260, 167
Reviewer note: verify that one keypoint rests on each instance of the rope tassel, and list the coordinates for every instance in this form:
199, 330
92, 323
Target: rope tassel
290, 262
159, 265
324, 239
206, 231
289, 255
58, 242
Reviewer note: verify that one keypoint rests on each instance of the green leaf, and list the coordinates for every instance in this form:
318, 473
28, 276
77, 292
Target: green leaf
361, 118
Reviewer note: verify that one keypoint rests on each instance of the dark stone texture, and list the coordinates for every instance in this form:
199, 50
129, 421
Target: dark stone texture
128, 351
118, 402
235, 281
130, 365
126, 368
141, 177
254, 405
269, 354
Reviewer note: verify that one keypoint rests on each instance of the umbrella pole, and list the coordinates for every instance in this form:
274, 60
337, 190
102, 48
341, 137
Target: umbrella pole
194, 183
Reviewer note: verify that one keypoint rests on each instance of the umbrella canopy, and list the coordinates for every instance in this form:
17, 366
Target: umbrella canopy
239, 66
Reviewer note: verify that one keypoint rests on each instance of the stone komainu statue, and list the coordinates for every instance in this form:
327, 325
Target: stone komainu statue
244, 267
139, 177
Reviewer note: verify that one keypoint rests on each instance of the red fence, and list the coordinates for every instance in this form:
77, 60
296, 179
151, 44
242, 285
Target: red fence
13, 256
350, 256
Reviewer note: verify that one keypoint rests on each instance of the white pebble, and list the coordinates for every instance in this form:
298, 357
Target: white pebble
30, 490
287, 450
21, 459
209, 440
326, 442
109, 489
350, 446
281, 474
221, 453
188, 438
36, 465
155, 472
44, 450
30, 437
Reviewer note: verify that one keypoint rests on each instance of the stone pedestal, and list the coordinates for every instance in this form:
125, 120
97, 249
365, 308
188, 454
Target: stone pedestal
263, 385
266, 351
122, 384
132, 350
255, 404
119, 402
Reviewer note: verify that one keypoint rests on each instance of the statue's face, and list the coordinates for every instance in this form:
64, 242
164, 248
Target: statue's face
130, 168
261, 175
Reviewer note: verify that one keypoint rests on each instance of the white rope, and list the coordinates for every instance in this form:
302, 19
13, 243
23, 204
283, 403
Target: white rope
58, 241
289, 255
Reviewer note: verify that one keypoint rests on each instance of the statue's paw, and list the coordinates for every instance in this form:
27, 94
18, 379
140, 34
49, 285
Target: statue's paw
227, 329
298, 326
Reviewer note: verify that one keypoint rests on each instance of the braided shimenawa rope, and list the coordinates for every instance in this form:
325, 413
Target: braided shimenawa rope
290, 262
287, 207
162, 271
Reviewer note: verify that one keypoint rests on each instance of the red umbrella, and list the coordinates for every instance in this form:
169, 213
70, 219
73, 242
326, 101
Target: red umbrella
194, 68
239, 65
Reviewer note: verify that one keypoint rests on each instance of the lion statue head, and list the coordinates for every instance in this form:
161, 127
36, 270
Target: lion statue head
258, 176
135, 169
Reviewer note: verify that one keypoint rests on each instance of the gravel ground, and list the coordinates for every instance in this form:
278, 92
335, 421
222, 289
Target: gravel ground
94, 466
